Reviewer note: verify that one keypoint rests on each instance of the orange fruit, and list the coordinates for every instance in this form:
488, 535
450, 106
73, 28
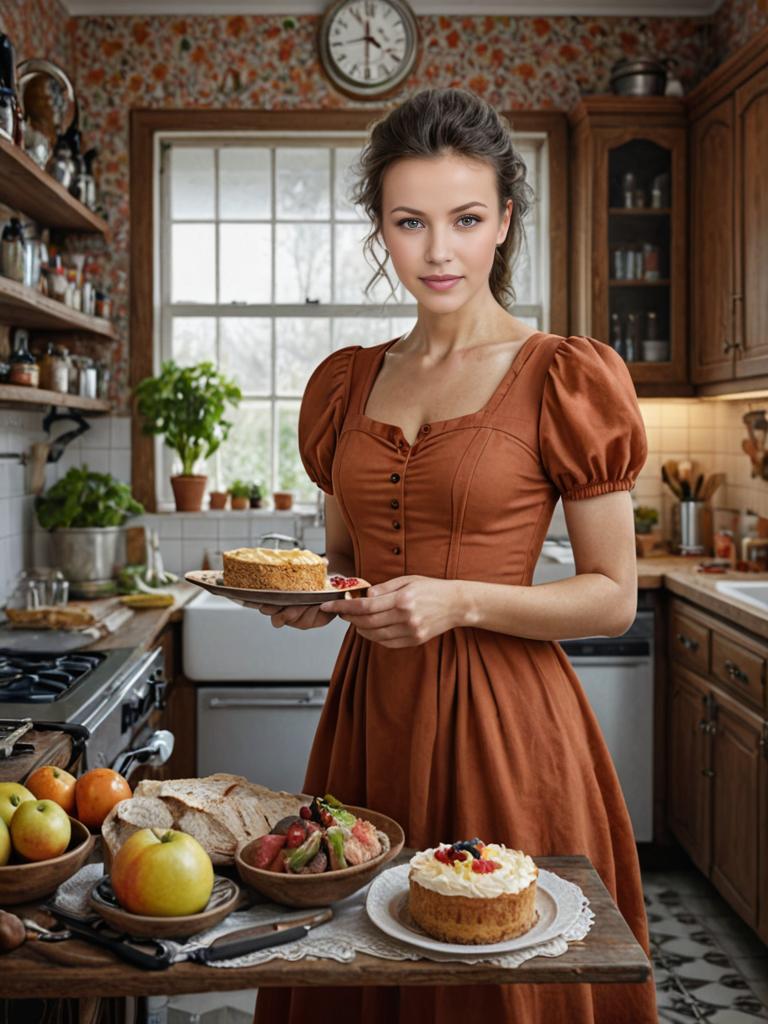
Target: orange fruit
97, 792
49, 782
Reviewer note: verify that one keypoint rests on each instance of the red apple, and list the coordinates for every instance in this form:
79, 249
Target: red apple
162, 873
40, 829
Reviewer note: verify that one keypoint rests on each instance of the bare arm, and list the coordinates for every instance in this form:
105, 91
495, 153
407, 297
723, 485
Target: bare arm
600, 600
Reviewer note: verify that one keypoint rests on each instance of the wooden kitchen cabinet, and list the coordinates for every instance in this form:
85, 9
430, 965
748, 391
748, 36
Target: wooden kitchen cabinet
646, 137
736, 767
729, 221
688, 766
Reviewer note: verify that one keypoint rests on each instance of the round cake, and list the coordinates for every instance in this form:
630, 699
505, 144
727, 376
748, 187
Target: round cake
268, 569
472, 893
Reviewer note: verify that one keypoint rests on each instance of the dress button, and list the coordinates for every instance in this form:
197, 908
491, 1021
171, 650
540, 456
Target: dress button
426, 428
401, 444
395, 478
395, 524
395, 503
395, 551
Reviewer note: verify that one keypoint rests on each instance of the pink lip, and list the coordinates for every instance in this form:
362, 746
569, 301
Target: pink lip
440, 283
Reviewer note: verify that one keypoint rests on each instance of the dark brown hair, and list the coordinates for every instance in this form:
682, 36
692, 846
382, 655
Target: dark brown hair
429, 124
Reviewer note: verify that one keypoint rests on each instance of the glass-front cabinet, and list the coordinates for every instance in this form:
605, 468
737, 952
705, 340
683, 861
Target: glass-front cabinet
628, 235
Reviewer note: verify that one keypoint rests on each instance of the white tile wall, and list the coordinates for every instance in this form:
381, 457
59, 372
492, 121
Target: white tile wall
708, 431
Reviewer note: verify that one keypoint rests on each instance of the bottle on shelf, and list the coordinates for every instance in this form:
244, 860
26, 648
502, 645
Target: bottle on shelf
24, 368
631, 338
12, 251
617, 335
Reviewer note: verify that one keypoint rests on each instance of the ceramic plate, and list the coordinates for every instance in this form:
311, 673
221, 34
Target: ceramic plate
224, 899
558, 906
212, 580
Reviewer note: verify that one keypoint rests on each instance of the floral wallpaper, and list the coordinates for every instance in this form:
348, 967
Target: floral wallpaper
270, 62
734, 23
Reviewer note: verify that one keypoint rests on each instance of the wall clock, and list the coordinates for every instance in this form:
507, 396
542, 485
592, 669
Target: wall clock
368, 48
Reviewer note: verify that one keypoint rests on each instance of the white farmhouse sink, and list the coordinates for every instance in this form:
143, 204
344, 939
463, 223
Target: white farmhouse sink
224, 642
754, 592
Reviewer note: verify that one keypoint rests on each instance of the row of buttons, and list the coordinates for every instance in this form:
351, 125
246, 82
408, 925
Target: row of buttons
394, 503
422, 430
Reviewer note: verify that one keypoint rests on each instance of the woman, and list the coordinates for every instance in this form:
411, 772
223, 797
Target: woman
442, 454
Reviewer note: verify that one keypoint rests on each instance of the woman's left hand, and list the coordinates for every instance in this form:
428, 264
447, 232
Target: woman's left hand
402, 612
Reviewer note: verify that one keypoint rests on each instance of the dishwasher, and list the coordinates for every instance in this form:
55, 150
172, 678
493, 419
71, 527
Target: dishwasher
616, 674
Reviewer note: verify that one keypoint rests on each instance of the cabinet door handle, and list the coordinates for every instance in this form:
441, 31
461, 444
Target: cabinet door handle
728, 345
708, 772
687, 642
735, 672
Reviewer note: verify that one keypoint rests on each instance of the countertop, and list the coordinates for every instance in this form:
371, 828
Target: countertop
145, 625
609, 953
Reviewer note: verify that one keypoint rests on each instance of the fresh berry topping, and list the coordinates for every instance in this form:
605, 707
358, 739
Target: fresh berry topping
441, 855
470, 847
485, 867
343, 582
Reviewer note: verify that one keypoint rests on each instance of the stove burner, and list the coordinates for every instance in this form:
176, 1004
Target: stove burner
40, 678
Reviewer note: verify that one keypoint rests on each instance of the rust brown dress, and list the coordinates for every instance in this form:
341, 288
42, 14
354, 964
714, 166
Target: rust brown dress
474, 732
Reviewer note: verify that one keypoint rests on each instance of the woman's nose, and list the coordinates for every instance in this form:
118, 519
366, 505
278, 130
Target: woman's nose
438, 247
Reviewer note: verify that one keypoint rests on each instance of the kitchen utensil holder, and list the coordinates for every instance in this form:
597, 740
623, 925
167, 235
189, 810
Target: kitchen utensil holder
692, 527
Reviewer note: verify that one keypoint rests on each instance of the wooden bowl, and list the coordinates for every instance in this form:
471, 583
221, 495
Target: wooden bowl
328, 887
225, 898
21, 883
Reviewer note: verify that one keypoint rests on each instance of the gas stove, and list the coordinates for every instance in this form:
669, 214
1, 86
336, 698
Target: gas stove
111, 693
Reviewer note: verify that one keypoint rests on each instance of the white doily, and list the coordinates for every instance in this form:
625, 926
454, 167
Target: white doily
348, 933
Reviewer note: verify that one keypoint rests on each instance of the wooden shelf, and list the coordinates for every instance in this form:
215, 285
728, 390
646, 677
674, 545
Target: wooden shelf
24, 307
620, 282
25, 187
13, 395
639, 211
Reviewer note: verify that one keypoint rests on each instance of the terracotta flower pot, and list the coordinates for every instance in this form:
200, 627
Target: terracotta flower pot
218, 498
188, 492
283, 500
239, 502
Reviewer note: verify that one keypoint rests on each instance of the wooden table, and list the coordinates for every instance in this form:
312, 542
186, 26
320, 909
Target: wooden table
609, 953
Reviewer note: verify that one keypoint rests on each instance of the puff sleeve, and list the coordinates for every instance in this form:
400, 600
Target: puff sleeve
591, 432
322, 413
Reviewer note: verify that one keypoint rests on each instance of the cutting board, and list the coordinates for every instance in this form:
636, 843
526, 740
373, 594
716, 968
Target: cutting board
109, 615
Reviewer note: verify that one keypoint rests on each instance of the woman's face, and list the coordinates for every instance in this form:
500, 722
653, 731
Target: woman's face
440, 218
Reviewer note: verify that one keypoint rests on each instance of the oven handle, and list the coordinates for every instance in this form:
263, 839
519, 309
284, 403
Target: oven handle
221, 703
158, 749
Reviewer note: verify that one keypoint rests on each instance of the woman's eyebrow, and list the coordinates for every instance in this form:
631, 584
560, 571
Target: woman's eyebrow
458, 209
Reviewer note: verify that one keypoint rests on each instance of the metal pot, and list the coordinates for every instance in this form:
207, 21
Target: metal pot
88, 557
641, 77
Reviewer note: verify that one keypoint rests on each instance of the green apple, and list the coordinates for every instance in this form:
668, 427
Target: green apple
5, 843
162, 873
11, 795
40, 829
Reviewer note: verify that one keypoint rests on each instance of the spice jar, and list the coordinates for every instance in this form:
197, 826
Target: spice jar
54, 370
12, 251
24, 369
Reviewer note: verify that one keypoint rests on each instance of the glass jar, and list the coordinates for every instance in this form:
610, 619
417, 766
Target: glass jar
24, 368
54, 370
12, 251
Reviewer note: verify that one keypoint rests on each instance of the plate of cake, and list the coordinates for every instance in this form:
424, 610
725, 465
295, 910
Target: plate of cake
269, 576
471, 897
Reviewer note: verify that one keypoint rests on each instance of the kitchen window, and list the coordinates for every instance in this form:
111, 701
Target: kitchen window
261, 271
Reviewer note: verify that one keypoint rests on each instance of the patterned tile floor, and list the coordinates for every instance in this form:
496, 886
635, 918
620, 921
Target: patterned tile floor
709, 966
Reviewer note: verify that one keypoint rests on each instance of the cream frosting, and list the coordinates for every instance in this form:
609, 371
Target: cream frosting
516, 873
269, 556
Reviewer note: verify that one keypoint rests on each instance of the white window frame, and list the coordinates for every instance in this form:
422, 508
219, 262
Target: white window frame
165, 310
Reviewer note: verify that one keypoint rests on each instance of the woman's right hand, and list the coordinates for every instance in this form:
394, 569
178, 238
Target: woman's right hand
300, 616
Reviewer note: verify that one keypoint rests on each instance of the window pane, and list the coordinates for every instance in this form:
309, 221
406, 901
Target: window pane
244, 184
345, 180
303, 179
301, 343
303, 262
401, 325
193, 340
360, 330
245, 262
352, 270
524, 280
193, 274
245, 455
191, 183
291, 475
245, 344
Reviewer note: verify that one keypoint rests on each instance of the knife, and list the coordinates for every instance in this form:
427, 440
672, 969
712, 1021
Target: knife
260, 936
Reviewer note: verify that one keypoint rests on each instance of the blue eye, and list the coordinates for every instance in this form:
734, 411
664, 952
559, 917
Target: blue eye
408, 220
470, 216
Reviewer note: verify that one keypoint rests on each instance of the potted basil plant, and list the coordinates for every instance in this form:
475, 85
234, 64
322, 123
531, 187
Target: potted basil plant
188, 405
85, 512
240, 493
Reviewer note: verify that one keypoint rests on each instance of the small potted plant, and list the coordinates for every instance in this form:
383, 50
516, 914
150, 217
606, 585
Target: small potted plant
85, 513
256, 495
188, 406
645, 518
218, 499
240, 493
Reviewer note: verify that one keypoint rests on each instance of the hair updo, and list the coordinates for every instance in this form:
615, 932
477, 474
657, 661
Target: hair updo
429, 124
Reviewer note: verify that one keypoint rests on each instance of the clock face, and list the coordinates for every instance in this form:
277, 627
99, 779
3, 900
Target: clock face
368, 47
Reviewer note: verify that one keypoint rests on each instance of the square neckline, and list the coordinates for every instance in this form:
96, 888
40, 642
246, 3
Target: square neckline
496, 395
